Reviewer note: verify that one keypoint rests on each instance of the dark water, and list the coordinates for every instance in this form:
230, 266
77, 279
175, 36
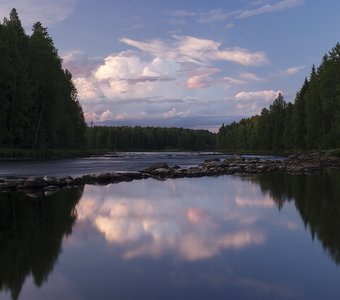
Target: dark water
265, 237
121, 162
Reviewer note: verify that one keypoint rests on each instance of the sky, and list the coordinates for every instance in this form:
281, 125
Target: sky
188, 63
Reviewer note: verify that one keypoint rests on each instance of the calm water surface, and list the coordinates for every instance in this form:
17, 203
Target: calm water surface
264, 237
124, 161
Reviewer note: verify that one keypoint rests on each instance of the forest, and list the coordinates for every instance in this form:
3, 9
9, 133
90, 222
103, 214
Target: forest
38, 100
312, 122
39, 108
149, 138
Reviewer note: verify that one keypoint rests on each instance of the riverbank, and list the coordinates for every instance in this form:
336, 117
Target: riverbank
304, 163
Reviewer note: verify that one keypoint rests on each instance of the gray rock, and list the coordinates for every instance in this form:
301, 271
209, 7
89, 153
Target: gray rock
35, 182
133, 175
78, 181
11, 183
234, 158
161, 165
160, 171
67, 180
121, 177
51, 180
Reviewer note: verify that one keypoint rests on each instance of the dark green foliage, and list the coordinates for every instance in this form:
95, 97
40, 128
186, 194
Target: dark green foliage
149, 138
38, 101
312, 122
264, 132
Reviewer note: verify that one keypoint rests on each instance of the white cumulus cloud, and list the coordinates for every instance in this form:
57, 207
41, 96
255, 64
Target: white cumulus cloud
266, 95
254, 101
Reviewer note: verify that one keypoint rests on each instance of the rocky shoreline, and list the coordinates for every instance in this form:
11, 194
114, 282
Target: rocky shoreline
296, 163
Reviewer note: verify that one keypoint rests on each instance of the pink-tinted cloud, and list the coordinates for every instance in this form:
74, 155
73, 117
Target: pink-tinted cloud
197, 50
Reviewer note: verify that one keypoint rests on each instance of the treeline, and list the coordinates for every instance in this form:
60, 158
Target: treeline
312, 122
38, 100
149, 138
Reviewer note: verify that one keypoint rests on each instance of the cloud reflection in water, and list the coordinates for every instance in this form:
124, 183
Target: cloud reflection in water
186, 218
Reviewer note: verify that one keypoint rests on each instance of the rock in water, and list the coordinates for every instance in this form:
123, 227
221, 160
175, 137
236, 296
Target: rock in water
161, 165
35, 182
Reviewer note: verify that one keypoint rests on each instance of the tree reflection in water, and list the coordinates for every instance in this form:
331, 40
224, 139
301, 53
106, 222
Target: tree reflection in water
32, 229
31, 235
316, 197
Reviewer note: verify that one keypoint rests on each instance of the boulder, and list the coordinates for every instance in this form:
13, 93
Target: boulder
233, 158
210, 163
90, 178
67, 180
78, 181
121, 177
161, 165
105, 177
11, 183
133, 175
51, 180
35, 182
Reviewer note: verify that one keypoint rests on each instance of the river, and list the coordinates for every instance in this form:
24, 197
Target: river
124, 161
273, 236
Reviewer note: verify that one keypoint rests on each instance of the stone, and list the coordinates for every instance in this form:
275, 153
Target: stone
67, 180
78, 181
133, 175
161, 165
11, 183
121, 177
160, 171
51, 180
35, 182
234, 158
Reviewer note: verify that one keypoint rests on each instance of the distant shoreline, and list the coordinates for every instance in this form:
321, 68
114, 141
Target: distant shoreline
51, 154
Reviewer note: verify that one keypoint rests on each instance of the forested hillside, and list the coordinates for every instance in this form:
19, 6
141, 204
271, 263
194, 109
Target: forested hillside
38, 101
311, 122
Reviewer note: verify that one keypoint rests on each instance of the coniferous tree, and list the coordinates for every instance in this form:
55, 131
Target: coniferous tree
299, 118
313, 112
311, 122
38, 100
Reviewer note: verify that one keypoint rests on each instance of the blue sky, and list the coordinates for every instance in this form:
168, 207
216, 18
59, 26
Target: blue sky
184, 63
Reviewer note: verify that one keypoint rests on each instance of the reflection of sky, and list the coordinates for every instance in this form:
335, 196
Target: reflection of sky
200, 238
189, 218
